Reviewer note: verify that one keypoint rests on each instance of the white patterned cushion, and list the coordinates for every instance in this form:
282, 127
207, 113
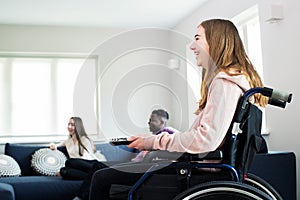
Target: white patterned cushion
48, 162
8, 166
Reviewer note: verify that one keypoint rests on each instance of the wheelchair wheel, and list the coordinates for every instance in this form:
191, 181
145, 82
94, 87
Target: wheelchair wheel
225, 190
262, 185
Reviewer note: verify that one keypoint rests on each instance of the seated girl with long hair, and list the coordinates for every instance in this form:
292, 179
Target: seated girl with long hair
81, 150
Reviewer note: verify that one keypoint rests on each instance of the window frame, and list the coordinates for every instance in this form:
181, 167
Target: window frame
9, 136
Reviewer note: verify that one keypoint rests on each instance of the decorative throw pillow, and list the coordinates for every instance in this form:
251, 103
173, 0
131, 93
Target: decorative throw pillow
8, 166
48, 162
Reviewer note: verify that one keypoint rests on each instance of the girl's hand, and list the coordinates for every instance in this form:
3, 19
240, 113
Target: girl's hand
137, 142
53, 146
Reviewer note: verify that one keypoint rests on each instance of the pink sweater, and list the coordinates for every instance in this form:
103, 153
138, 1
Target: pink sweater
209, 129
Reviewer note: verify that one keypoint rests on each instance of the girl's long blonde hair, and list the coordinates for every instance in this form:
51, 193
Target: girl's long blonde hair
227, 54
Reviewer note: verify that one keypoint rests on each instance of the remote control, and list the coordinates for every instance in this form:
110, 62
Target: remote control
119, 141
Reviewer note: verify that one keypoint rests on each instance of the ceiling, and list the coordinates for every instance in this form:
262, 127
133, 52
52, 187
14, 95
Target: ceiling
97, 13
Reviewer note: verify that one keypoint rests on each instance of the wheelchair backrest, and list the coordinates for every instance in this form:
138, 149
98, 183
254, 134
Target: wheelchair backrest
239, 151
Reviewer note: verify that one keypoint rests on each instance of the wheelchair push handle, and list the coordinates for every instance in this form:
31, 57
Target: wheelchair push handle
275, 95
276, 98
276, 102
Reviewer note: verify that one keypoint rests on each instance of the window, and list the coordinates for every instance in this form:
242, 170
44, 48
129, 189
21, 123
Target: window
248, 26
37, 94
31, 103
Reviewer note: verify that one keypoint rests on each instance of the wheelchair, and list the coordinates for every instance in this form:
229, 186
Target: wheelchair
230, 179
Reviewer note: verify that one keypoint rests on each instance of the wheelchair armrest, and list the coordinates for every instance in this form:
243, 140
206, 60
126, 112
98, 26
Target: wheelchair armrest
179, 156
212, 155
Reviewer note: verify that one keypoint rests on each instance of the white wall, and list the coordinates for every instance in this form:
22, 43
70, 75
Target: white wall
280, 44
136, 79
18, 38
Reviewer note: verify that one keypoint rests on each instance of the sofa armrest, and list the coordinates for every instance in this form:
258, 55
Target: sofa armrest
279, 170
6, 192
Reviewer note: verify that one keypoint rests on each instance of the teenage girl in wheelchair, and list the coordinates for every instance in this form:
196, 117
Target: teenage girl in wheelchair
228, 127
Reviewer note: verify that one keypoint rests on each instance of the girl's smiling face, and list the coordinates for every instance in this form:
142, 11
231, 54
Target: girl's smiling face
71, 127
201, 48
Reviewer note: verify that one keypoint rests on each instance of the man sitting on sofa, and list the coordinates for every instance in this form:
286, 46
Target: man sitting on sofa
157, 124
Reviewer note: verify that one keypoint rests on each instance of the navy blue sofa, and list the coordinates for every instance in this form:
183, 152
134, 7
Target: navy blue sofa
279, 169
32, 186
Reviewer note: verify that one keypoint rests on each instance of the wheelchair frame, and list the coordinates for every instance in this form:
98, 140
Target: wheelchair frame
240, 181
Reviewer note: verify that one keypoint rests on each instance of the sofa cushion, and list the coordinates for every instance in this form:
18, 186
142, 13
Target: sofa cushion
8, 166
48, 162
47, 188
22, 154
